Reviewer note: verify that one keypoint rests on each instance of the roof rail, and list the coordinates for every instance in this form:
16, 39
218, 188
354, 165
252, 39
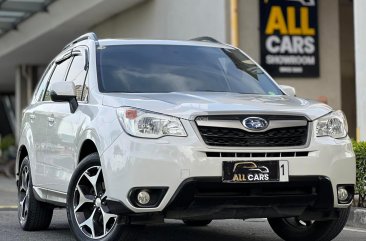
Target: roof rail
206, 39
91, 36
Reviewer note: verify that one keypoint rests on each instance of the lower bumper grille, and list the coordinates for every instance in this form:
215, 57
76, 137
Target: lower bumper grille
257, 154
209, 196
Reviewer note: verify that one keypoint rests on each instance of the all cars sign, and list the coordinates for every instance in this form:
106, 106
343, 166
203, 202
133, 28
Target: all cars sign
289, 37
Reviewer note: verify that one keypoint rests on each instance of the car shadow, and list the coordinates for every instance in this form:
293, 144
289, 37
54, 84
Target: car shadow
217, 231
177, 231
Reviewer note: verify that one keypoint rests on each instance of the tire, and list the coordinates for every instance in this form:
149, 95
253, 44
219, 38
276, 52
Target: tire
33, 215
292, 229
196, 223
80, 184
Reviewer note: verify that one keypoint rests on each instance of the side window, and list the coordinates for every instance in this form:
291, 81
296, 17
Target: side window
57, 76
77, 74
38, 95
86, 88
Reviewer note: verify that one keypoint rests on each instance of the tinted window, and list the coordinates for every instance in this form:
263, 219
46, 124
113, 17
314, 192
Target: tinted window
77, 74
86, 88
38, 95
57, 76
171, 68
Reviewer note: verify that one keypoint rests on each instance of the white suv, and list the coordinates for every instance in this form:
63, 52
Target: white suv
124, 132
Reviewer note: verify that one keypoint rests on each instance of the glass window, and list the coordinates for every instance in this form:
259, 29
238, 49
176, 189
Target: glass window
86, 89
38, 95
77, 74
57, 76
172, 68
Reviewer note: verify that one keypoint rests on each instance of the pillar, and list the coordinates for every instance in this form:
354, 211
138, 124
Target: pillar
25, 77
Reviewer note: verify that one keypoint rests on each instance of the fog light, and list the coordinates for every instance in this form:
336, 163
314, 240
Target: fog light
143, 197
342, 194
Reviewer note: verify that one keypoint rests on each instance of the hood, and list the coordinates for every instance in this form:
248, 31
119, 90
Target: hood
188, 105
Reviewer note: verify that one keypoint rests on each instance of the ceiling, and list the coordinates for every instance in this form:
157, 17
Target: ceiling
39, 35
13, 12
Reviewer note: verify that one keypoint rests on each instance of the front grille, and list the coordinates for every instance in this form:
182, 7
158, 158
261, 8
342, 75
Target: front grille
280, 137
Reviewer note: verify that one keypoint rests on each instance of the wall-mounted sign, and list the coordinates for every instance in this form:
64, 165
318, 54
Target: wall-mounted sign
289, 38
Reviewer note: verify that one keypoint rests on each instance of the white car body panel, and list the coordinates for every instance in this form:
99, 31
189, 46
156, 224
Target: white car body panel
134, 161
188, 105
60, 156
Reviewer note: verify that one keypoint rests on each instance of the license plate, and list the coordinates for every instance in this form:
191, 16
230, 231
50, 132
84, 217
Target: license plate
255, 171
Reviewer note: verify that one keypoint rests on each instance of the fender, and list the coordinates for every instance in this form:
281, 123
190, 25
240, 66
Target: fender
25, 141
112, 130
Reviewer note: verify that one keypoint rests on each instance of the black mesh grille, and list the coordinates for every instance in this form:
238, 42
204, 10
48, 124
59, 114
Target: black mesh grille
218, 136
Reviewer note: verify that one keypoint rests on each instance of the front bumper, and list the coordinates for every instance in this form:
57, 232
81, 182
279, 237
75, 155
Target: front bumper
170, 161
209, 198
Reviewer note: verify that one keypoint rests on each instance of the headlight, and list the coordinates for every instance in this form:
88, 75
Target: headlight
333, 125
146, 124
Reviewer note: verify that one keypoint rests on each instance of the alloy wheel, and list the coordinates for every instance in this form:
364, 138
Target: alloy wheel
298, 223
89, 204
24, 194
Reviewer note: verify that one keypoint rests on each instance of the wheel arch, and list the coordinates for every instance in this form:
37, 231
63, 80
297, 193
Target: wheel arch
22, 153
87, 147
25, 145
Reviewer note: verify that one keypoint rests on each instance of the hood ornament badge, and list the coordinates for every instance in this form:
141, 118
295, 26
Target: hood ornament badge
255, 123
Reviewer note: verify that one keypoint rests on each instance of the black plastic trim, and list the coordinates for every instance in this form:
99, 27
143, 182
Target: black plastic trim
206, 39
157, 193
350, 189
316, 202
322, 199
63, 98
118, 207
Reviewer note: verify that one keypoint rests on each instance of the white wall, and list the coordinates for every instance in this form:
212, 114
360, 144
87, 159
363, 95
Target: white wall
167, 19
347, 51
360, 49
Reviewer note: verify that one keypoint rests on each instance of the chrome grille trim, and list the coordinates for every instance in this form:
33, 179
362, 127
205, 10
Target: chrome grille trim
237, 124
290, 131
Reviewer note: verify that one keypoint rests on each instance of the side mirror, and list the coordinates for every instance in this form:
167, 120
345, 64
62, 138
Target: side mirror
64, 92
289, 90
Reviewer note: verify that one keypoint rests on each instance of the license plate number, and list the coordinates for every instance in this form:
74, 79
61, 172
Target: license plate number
255, 171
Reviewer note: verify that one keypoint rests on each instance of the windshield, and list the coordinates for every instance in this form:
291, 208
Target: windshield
179, 68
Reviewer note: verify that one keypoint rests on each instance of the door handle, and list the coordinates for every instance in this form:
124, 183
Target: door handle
51, 121
32, 117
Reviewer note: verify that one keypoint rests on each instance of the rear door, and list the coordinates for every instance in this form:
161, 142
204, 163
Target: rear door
35, 115
65, 126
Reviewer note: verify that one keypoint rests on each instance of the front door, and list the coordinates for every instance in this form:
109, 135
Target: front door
61, 153
64, 126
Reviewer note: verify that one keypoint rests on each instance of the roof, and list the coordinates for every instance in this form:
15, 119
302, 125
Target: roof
106, 42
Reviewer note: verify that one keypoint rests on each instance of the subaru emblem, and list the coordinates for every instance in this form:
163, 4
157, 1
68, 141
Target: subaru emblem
255, 123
